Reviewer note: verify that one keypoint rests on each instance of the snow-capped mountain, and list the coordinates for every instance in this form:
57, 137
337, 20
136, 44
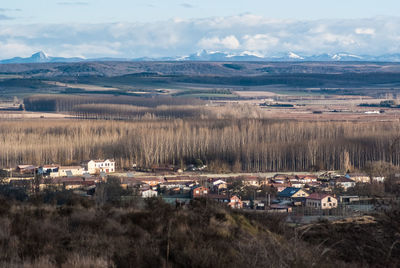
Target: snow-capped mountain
346, 57
204, 55
292, 55
40, 57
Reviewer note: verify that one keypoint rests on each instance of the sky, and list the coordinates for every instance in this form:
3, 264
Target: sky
131, 29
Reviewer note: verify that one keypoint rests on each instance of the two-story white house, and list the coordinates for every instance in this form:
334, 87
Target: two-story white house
321, 201
97, 166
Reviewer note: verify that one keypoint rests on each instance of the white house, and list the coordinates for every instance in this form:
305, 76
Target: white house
149, 193
97, 166
321, 201
378, 179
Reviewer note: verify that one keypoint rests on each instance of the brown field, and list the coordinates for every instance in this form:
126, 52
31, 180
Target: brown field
307, 115
4, 115
255, 94
82, 86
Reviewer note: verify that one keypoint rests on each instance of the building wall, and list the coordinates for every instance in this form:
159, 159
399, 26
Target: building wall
200, 191
63, 172
106, 166
363, 179
325, 203
149, 194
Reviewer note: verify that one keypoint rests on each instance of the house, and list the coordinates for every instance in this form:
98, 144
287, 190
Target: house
359, 177
149, 193
97, 166
180, 179
378, 179
152, 181
297, 184
219, 185
251, 181
306, 178
289, 193
279, 187
68, 171
347, 199
199, 191
128, 182
279, 208
280, 177
74, 182
48, 169
344, 182
235, 202
26, 169
173, 185
321, 201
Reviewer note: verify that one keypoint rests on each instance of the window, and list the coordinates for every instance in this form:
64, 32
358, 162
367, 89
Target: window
329, 199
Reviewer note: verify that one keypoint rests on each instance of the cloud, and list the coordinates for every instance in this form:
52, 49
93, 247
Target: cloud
367, 31
12, 48
228, 42
4, 17
178, 37
9, 9
260, 42
87, 50
187, 5
73, 3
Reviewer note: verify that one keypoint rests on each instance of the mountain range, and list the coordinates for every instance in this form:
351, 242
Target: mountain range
41, 57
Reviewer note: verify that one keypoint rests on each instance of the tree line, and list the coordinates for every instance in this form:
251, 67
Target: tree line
67, 103
130, 112
226, 144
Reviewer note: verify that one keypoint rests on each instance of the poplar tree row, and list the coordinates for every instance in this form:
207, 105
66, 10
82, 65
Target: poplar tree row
225, 144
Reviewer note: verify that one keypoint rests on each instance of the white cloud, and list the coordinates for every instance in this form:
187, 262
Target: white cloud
367, 31
260, 42
76, 3
11, 48
90, 50
228, 42
178, 37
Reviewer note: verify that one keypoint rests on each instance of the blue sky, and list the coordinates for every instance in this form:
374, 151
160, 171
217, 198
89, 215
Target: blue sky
100, 11
123, 28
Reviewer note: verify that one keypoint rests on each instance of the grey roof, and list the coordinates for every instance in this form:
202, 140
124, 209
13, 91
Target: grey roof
288, 192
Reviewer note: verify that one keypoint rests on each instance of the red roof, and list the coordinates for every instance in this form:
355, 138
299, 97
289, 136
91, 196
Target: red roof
343, 179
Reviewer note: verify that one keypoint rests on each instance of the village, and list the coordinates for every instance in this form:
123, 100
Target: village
315, 194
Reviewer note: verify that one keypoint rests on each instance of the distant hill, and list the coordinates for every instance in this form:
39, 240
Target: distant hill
219, 56
191, 68
40, 57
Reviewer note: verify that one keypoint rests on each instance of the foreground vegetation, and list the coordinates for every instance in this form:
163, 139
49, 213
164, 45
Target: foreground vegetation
58, 228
